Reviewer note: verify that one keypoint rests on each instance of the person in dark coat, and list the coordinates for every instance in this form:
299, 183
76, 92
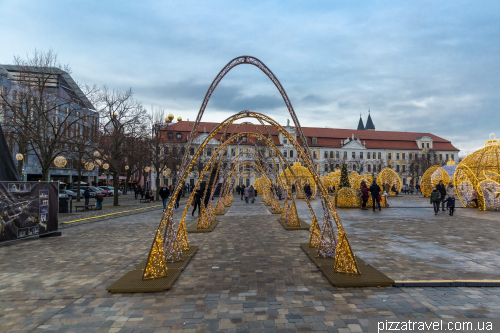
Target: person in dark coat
197, 201
179, 195
435, 199
442, 190
136, 191
164, 194
375, 192
365, 195
142, 192
86, 195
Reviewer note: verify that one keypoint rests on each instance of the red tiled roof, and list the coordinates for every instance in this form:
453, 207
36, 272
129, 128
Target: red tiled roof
329, 137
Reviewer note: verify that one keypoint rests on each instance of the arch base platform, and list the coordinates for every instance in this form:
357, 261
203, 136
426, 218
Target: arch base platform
369, 277
303, 225
193, 228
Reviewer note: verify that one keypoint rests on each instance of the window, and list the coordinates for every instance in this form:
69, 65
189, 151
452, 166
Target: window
337, 166
237, 140
315, 154
369, 168
209, 151
368, 155
440, 157
404, 168
326, 154
379, 156
337, 154
447, 157
285, 153
452, 157
345, 155
397, 167
379, 168
191, 151
291, 153
233, 152
354, 167
170, 136
410, 156
423, 145
389, 156
361, 155
178, 136
331, 154
326, 168
243, 139
428, 145
353, 155
397, 156
284, 140
403, 155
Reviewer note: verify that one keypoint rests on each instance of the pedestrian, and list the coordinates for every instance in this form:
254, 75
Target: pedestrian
238, 189
293, 188
197, 201
375, 192
251, 193
387, 187
442, 190
411, 189
246, 193
308, 191
450, 201
418, 189
365, 195
136, 191
142, 192
86, 195
435, 199
99, 199
242, 191
394, 189
164, 194
177, 200
473, 197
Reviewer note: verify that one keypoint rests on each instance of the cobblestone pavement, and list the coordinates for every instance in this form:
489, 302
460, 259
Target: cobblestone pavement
249, 275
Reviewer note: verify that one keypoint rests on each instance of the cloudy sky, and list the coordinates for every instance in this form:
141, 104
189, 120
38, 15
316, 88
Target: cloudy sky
423, 66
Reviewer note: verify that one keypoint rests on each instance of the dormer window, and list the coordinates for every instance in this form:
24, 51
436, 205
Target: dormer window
423, 145
285, 141
314, 141
178, 136
244, 139
428, 145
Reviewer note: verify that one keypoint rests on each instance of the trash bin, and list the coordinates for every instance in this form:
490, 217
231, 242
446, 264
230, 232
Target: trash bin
63, 205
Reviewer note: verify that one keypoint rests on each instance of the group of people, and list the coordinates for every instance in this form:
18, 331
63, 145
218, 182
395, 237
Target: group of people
442, 195
165, 194
99, 199
376, 194
247, 192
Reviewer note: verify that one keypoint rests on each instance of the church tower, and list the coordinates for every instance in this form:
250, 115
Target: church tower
361, 126
369, 123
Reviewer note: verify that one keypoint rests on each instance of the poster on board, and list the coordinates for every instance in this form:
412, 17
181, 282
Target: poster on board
28, 209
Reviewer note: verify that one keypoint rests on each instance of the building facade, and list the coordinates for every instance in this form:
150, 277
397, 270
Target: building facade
364, 150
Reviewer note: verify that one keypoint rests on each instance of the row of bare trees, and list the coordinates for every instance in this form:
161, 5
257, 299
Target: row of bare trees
45, 114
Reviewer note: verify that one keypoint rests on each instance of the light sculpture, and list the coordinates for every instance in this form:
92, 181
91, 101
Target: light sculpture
89, 166
60, 161
97, 154
105, 166
389, 175
347, 198
127, 167
426, 181
146, 169
19, 157
480, 171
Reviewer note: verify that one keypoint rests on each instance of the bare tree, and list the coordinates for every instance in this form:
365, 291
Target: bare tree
122, 119
44, 108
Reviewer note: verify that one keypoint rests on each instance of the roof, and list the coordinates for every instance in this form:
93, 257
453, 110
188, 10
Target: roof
369, 123
361, 126
54, 70
327, 137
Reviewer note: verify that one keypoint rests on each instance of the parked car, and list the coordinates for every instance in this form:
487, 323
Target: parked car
69, 193
104, 191
93, 190
111, 189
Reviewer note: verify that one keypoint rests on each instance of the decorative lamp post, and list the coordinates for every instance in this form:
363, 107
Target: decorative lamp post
60, 161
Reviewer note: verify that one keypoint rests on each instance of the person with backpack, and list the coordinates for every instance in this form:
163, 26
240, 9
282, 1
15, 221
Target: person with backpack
435, 199
197, 201
375, 192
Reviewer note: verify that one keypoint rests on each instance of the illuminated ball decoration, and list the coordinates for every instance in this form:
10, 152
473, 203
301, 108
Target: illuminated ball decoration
127, 167
166, 172
170, 117
480, 171
438, 175
347, 198
60, 161
389, 175
98, 162
97, 154
19, 157
105, 157
146, 169
426, 182
105, 166
89, 166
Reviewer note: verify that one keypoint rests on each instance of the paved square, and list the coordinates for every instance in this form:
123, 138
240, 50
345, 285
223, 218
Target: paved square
249, 275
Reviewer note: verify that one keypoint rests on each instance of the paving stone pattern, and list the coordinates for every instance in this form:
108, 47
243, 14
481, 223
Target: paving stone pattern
249, 275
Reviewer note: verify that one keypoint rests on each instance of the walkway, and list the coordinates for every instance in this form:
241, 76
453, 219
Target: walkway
249, 275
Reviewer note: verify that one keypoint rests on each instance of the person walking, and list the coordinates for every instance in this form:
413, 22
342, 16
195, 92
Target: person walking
197, 201
442, 190
86, 195
164, 194
246, 193
365, 195
293, 188
308, 191
177, 200
242, 191
411, 189
136, 191
238, 189
251, 194
142, 192
375, 192
418, 189
99, 199
450, 201
435, 199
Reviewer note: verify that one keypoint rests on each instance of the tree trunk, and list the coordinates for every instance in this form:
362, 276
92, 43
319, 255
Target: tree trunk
78, 185
116, 183
157, 181
45, 174
20, 169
